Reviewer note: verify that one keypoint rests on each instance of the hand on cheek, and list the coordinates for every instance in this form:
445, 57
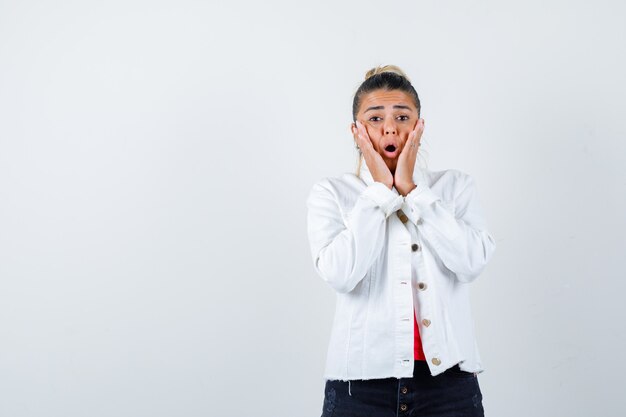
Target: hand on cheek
403, 176
375, 163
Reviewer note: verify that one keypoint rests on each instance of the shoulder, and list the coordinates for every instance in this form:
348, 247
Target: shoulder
450, 175
448, 182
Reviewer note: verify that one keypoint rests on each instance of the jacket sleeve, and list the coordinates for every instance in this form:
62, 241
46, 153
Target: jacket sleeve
344, 250
458, 235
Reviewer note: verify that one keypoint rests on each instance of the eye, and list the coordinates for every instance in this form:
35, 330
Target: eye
374, 117
403, 117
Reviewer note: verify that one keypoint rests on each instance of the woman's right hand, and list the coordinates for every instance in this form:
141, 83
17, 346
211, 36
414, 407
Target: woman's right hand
375, 163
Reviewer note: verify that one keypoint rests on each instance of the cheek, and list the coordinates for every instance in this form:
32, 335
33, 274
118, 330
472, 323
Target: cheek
375, 139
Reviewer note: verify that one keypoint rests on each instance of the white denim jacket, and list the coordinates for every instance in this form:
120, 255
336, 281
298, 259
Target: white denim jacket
384, 255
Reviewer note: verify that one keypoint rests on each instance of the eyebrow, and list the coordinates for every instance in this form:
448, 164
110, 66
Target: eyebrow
397, 106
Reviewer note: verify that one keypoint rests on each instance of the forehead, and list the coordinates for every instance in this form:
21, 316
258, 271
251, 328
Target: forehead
386, 98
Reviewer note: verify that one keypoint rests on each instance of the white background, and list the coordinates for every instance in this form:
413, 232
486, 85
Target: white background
155, 158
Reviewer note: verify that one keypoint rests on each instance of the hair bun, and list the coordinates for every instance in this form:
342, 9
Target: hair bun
385, 68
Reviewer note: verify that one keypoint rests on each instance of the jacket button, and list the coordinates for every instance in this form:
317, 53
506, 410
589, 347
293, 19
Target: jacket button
436, 361
404, 390
426, 322
415, 247
403, 407
422, 286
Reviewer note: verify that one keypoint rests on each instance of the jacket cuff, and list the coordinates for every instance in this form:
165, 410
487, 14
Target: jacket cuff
420, 197
389, 200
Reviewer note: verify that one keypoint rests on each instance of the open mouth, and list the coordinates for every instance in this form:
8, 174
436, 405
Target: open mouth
391, 151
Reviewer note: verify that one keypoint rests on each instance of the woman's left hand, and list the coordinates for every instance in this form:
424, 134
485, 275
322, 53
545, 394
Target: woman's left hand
403, 177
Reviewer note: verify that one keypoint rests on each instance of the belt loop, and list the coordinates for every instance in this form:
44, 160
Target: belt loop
349, 388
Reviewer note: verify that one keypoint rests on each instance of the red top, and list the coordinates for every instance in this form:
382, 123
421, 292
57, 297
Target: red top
417, 347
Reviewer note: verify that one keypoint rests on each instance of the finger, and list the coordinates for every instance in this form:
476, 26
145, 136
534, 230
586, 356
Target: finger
359, 127
357, 130
363, 130
420, 132
407, 146
364, 144
367, 142
416, 135
419, 128
413, 142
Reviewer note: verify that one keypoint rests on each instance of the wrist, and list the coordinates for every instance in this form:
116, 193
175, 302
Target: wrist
388, 184
404, 189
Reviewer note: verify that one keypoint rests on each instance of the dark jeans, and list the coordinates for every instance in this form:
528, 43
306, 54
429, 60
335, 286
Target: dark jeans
453, 393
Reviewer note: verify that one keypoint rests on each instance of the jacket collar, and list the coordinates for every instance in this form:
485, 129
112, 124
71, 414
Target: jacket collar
418, 174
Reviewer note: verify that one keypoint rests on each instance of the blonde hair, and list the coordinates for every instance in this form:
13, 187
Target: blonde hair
386, 77
386, 68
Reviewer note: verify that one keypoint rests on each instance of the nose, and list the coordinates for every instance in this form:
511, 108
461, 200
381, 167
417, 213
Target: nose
390, 128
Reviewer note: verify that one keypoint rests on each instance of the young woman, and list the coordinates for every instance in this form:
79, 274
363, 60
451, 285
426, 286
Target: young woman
399, 244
